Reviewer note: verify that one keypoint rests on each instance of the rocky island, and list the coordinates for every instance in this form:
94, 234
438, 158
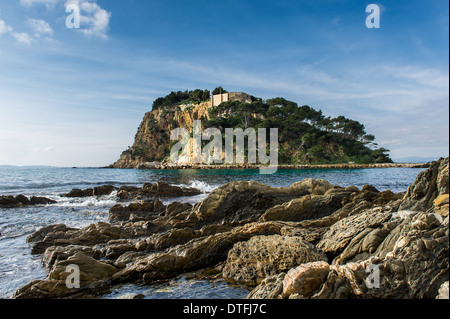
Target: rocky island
312, 240
306, 136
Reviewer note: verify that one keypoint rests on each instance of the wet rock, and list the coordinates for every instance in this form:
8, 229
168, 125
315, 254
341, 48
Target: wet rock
161, 189
96, 191
136, 211
104, 190
34, 200
252, 261
80, 193
23, 201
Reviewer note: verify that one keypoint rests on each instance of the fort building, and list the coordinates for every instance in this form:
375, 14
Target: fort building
231, 96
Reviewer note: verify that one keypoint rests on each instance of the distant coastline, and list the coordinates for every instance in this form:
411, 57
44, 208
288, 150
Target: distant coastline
162, 166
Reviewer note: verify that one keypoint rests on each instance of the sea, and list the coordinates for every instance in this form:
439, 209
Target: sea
18, 267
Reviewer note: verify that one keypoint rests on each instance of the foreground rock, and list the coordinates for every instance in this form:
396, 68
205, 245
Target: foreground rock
309, 240
252, 261
23, 201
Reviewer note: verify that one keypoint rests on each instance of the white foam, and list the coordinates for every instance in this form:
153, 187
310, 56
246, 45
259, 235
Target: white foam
93, 201
200, 185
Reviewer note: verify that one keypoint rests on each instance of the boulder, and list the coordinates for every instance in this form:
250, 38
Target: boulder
306, 279
262, 256
307, 207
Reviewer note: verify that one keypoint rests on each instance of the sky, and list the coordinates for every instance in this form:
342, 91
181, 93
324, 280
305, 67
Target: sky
75, 96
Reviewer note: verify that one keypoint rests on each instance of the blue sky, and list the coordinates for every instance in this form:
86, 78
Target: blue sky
75, 97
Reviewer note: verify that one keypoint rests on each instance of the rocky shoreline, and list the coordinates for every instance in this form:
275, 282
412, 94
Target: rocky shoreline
312, 240
168, 166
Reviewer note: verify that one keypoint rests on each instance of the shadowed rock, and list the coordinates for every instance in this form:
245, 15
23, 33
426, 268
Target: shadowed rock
23, 201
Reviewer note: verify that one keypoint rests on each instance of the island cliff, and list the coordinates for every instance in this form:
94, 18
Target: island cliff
306, 136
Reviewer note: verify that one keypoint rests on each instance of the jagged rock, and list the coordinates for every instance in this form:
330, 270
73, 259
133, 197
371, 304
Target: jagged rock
196, 254
252, 261
427, 187
243, 202
412, 261
341, 233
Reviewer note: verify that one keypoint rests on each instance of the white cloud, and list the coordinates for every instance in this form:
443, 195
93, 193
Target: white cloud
48, 3
20, 37
94, 19
23, 37
40, 27
4, 28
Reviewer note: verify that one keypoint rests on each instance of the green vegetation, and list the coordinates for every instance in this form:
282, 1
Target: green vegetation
306, 136
181, 97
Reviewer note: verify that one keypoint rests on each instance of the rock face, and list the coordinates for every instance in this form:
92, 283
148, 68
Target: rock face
427, 187
311, 240
152, 141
